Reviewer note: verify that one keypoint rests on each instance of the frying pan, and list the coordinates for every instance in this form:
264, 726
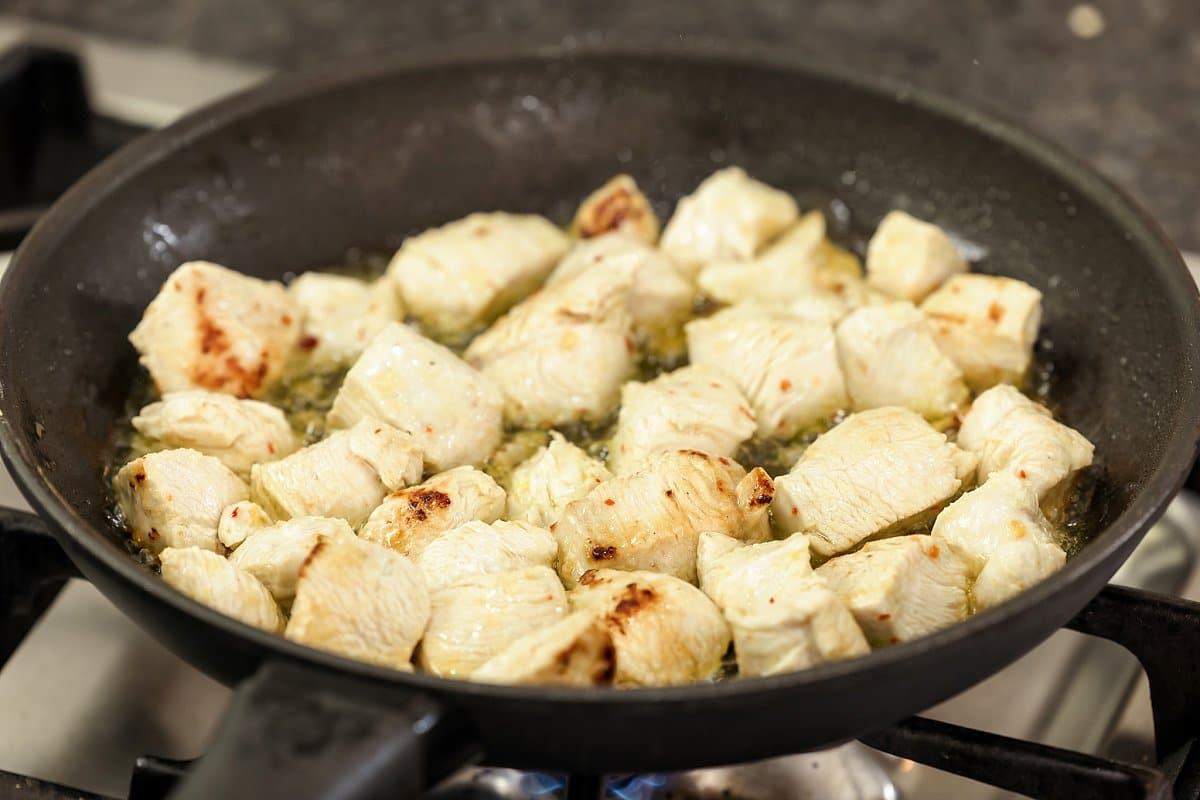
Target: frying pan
292, 175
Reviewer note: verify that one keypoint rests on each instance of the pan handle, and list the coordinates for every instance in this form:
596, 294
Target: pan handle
298, 732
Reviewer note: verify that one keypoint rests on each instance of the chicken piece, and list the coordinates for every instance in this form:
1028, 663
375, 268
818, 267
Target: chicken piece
209, 579
346, 474
341, 314
692, 407
575, 651
616, 206
665, 631
238, 433
1014, 567
212, 328
408, 520
784, 270
908, 258
239, 521
730, 216
651, 519
879, 471
900, 588
659, 296
552, 478
1010, 433
466, 273
174, 498
785, 365
562, 355
406, 380
889, 358
782, 616
482, 615
987, 326
480, 548
274, 555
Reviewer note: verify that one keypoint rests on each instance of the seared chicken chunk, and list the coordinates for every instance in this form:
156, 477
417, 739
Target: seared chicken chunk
575, 651
408, 520
238, 433
174, 498
908, 258
1013, 568
889, 357
785, 365
359, 600
341, 314
239, 520
213, 328
479, 548
208, 578
987, 325
406, 380
482, 615
548, 481
616, 206
692, 407
466, 273
665, 631
783, 617
345, 475
275, 554
562, 354
730, 216
900, 588
1010, 433
878, 471
784, 270
651, 519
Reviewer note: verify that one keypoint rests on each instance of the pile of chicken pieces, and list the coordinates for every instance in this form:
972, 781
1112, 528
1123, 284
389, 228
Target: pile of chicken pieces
386, 542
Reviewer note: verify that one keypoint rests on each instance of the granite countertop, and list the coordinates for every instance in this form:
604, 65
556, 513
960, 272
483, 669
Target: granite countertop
1115, 81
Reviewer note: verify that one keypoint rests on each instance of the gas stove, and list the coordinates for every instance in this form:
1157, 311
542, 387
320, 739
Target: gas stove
91, 707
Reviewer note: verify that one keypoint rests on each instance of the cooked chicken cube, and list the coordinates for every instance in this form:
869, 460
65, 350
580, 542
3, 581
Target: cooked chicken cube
665, 631
406, 380
659, 296
274, 555
785, 269
359, 600
562, 355
616, 206
987, 325
481, 616
879, 471
238, 433
408, 520
692, 407
783, 617
341, 314
480, 548
1011, 433
213, 328
729, 216
208, 578
345, 475
1014, 567
889, 358
651, 519
900, 588
575, 651
466, 273
908, 258
174, 498
548, 481
239, 521
786, 366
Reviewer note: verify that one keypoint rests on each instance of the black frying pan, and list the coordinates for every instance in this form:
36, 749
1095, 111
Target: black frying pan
290, 176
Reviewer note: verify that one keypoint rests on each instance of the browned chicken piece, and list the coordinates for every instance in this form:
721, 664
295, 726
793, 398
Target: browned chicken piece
616, 206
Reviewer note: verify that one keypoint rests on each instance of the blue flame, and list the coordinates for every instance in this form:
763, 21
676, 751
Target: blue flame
541, 784
636, 787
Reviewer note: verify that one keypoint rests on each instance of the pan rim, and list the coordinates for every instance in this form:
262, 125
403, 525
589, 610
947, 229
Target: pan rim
1158, 490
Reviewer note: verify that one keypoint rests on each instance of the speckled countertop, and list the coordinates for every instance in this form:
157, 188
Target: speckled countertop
1116, 81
